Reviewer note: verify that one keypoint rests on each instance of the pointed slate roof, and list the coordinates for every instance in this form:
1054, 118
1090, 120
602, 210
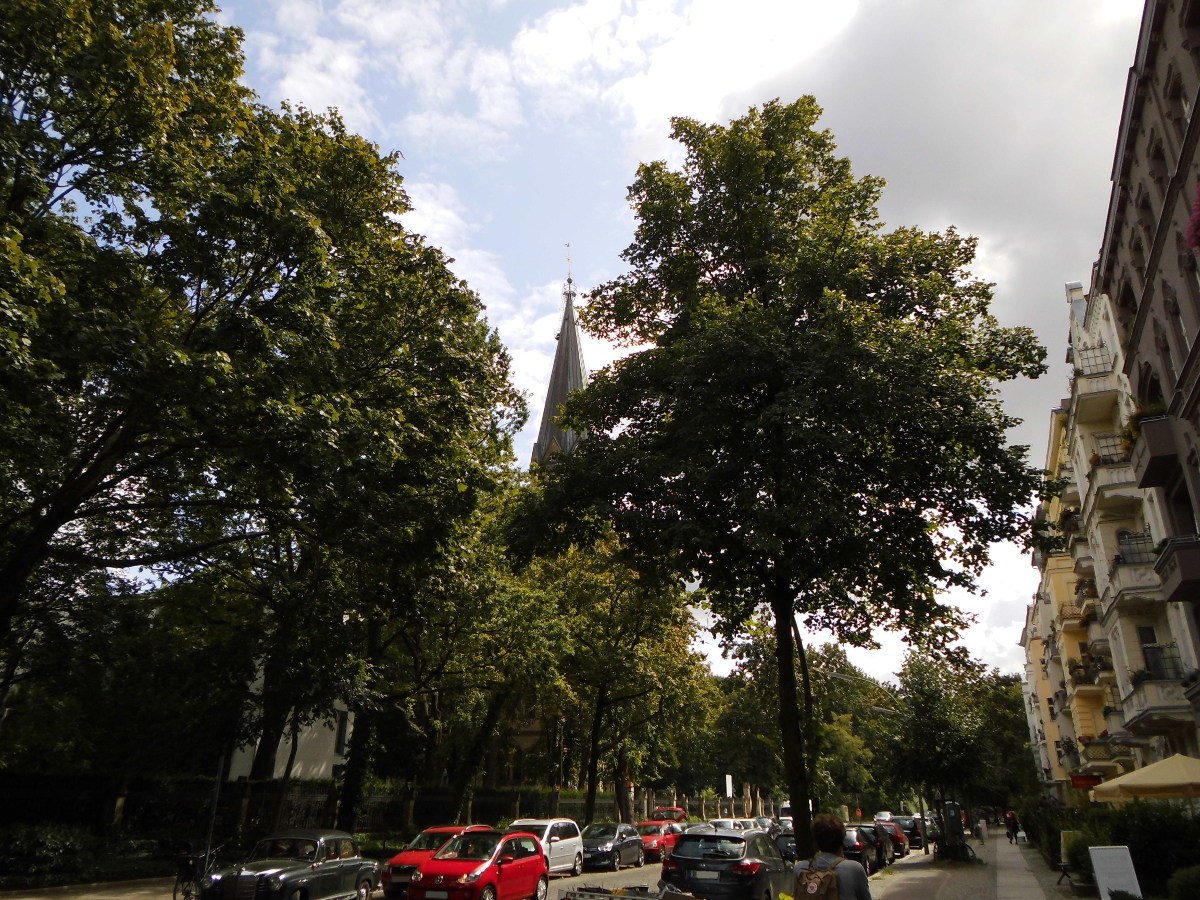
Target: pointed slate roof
568, 374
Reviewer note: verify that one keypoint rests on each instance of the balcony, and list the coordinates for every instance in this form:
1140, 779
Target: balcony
1095, 396
1082, 554
1099, 757
1070, 616
1133, 588
1110, 485
1155, 707
1179, 568
1154, 458
1085, 680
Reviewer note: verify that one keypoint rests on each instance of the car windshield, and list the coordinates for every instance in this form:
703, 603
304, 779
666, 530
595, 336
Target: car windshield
604, 830
661, 814
722, 823
649, 829
904, 822
524, 829
285, 848
704, 846
470, 846
428, 840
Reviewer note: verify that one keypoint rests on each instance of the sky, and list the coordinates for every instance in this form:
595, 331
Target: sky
521, 123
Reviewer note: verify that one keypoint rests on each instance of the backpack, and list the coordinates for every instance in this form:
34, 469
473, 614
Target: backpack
817, 884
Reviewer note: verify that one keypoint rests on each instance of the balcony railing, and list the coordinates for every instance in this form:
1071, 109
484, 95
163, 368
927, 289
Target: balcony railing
1135, 549
1093, 360
1162, 662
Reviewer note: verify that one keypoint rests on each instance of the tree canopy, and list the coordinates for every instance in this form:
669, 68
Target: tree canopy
810, 422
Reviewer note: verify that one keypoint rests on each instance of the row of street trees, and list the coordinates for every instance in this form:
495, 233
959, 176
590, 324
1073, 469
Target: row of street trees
255, 441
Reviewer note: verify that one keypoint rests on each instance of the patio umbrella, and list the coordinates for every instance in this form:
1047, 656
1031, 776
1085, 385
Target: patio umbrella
1166, 779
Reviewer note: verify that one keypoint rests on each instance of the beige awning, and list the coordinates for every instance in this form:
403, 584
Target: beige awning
1167, 779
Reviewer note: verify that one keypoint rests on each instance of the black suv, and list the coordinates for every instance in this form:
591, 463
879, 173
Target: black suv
728, 865
306, 863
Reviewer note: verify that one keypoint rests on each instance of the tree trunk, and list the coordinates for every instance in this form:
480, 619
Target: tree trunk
476, 753
274, 721
280, 800
593, 765
810, 724
624, 805
790, 729
362, 744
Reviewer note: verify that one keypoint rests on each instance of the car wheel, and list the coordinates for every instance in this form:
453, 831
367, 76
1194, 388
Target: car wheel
296, 895
489, 893
616, 863
364, 891
577, 869
641, 858
543, 888
866, 866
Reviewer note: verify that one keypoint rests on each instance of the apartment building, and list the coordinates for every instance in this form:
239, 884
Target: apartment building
1107, 649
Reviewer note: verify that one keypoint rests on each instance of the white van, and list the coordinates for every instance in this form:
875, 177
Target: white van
562, 845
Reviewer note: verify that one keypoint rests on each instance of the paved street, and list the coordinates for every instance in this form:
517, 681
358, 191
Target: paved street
1007, 876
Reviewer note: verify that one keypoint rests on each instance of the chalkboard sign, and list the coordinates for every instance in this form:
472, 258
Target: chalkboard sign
1114, 871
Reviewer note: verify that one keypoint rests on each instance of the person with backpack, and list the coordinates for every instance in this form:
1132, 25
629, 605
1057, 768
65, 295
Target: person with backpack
829, 875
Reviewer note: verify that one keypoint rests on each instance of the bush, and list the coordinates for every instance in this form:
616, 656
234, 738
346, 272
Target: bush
1161, 838
1184, 884
42, 851
1077, 853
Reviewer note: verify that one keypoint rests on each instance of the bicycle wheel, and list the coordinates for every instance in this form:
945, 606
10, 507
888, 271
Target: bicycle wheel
190, 891
178, 888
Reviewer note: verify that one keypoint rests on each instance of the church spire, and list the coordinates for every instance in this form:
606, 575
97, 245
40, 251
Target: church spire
568, 374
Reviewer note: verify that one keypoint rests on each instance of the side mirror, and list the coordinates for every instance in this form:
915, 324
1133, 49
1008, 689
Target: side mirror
504, 860
555, 839
789, 855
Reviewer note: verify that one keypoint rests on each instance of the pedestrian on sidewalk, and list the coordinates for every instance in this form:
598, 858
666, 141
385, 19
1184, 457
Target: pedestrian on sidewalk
1010, 825
829, 834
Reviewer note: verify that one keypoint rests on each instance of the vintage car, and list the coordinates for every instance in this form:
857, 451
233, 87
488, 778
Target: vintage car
305, 864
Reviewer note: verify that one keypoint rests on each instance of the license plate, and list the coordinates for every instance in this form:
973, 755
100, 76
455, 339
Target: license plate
704, 876
587, 852
436, 895
398, 877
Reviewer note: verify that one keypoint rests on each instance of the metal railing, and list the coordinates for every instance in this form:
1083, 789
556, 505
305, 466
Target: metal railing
1093, 360
1110, 448
1134, 549
1162, 661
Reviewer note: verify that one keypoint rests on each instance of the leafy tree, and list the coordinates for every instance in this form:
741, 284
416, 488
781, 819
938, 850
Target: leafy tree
211, 311
812, 424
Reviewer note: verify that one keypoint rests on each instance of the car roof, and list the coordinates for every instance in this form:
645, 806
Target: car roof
310, 834
539, 821
738, 833
452, 829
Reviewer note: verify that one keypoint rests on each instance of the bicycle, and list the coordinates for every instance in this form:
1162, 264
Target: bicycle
190, 873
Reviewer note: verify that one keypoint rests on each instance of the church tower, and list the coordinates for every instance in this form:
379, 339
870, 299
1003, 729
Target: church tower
569, 374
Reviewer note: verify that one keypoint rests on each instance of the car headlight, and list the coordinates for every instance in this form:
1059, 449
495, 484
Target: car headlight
607, 846
275, 882
416, 876
472, 877
210, 880
652, 844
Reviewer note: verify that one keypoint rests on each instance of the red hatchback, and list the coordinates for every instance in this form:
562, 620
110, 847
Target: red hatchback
899, 838
669, 814
483, 865
399, 869
658, 838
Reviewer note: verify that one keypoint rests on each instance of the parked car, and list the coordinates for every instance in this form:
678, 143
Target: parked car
561, 844
860, 847
897, 834
398, 870
669, 813
290, 865
658, 838
767, 824
697, 827
785, 824
787, 846
484, 865
883, 816
728, 865
885, 849
726, 824
612, 845
912, 828
747, 824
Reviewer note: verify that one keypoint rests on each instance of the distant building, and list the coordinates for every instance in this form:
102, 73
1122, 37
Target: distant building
567, 374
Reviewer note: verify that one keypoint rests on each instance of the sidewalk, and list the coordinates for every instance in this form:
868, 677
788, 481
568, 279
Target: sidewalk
1006, 876
145, 889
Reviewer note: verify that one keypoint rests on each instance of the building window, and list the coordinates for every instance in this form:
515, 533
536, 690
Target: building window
1162, 660
1110, 448
343, 726
1134, 548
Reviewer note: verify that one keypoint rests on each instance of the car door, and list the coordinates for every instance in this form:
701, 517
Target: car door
350, 865
530, 861
781, 871
508, 874
326, 880
631, 841
569, 845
